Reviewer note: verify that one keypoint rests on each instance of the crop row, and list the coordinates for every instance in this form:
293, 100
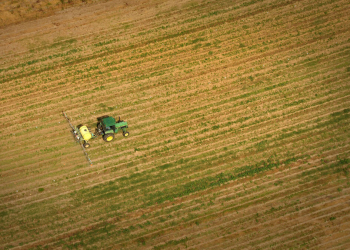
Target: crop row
223, 27
110, 228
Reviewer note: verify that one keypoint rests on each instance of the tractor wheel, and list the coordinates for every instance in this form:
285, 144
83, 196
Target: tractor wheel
86, 145
79, 126
125, 134
108, 137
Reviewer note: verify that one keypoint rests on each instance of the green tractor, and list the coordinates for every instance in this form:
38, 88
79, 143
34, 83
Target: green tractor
106, 126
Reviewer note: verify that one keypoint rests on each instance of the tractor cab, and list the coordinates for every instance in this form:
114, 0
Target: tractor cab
107, 126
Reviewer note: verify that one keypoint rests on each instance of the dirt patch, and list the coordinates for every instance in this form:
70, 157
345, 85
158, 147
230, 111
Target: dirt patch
16, 11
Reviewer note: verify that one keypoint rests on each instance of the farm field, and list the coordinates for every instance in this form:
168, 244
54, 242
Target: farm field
238, 115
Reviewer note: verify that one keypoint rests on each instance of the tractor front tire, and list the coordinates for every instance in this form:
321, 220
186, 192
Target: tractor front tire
125, 134
108, 137
86, 145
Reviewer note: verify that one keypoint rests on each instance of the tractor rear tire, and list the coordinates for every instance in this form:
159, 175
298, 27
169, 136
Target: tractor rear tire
86, 145
108, 137
125, 134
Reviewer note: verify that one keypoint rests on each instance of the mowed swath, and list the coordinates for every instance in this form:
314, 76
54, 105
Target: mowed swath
239, 135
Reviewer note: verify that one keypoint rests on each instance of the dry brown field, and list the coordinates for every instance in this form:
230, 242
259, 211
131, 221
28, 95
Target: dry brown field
238, 115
